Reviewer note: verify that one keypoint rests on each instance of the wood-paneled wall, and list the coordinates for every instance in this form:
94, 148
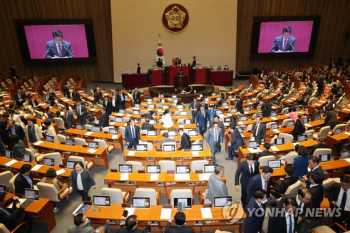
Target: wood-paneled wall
335, 20
97, 10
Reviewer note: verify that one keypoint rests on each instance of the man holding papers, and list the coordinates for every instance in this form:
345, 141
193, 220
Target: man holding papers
180, 220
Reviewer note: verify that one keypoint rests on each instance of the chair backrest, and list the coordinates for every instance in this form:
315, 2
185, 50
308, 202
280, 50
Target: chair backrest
293, 189
48, 191
285, 122
249, 128
198, 141
61, 138
327, 183
198, 165
324, 131
135, 165
339, 126
5, 177
3, 229
80, 141
147, 192
167, 165
322, 229
11, 185
347, 126
180, 193
264, 161
122, 131
149, 144
143, 131
76, 159
168, 144
268, 125
101, 143
115, 194
309, 133
56, 156
106, 129
322, 151
287, 137
291, 157
88, 127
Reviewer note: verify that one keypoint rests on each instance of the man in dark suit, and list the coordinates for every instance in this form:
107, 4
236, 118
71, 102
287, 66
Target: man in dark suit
316, 189
65, 90
58, 48
303, 199
185, 140
12, 129
265, 108
68, 118
284, 43
206, 106
194, 108
239, 104
97, 96
136, 96
202, 120
180, 220
235, 142
339, 197
81, 112
131, 226
320, 144
260, 181
279, 188
160, 63
114, 103
246, 169
180, 73
211, 113
138, 68
266, 151
33, 102
82, 227
13, 71
19, 98
23, 179
104, 119
284, 221
194, 62
121, 99
314, 164
11, 217
258, 130
147, 125
299, 127
132, 134
255, 211
108, 105
52, 97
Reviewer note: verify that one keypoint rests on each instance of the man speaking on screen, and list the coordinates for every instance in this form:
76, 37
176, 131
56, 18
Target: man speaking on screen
284, 43
58, 48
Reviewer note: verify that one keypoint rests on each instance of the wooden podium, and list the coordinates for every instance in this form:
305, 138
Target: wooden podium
181, 83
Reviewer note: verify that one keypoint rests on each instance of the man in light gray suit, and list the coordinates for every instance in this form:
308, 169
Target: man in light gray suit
82, 227
216, 187
214, 139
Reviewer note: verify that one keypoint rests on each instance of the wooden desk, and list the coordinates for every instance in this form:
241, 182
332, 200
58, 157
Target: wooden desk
115, 212
234, 91
40, 210
101, 153
334, 139
159, 138
118, 142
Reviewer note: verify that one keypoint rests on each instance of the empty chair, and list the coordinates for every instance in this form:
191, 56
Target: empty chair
88, 164
11, 184
323, 133
152, 194
103, 144
80, 141
106, 129
61, 138
198, 165
88, 127
128, 111
339, 126
249, 128
322, 151
22, 227
264, 161
310, 133
117, 195
179, 193
287, 138
285, 122
327, 183
167, 165
149, 144
55, 155
111, 118
136, 166
168, 144
293, 189
291, 157
5, 177
202, 197
50, 191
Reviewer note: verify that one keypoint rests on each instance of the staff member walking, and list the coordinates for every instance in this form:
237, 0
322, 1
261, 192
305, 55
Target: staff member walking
82, 180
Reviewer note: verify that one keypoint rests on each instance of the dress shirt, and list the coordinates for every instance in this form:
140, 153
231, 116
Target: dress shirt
106, 103
301, 204
79, 110
340, 197
121, 97
13, 130
29, 180
256, 129
313, 169
79, 182
288, 219
113, 101
263, 182
313, 185
19, 96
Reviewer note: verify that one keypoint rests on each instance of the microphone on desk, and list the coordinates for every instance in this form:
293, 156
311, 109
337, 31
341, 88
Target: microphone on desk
291, 45
47, 50
273, 45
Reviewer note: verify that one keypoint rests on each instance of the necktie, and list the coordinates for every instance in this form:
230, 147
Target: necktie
251, 170
132, 131
203, 114
265, 186
215, 135
343, 201
60, 50
290, 224
79, 111
256, 129
194, 105
284, 45
5, 211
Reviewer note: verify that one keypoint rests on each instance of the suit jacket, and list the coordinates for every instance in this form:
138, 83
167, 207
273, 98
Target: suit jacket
21, 183
137, 96
119, 98
306, 207
318, 145
124, 230
19, 131
253, 184
331, 119
211, 139
300, 165
194, 63
97, 97
317, 195
52, 49
299, 129
263, 153
239, 106
68, 120
65, 90
261, 134
278, 44
104, 120
128, 133
209, 114
185, 142
10, 220
216, 188
23, 96
332, 192
236, 139
38, 133
318, 170
159, 63
86, 180
75, 95
244, 171
19, 149
283, 186
108, 106
279, 224
138, 70
84, 229
83, 111
52, 97
194, 107
202, 120
221, 126
33, 103
147, 126
178, 229
265, 110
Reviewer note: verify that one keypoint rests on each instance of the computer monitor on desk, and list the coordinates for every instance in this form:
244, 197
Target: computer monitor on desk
253, 144
290, 123
9, 154
70, 164
344, 154
183, 113
70, 142
274, 126
172, 133
273, 114
151, 133
153, 122
169, 148
274, 163
136, 112
118, 119
233, 110
150, 106
93, 145
279, 141
49, 162
338, 131
222, 201
96, 129
193, 132
140, 202
243, 118
186, 202
79, 127
125, 168
325, 157
141, 147
31, 194
50, 139
112, 131
227, 120
3, 188
101, 200
153, 169
187, 122
218, 112
302, 138
197, 147
26, 158
183, 169
209, 168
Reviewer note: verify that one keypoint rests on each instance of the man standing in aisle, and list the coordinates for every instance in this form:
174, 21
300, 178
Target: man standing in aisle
132, 134
202, 120
193, 108
214, 139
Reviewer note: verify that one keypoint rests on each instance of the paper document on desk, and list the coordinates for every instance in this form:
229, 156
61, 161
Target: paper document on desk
13, 161
205, 176
226, 124
91, 151
38, 143
88, 133
124, 176
131, 153
228, 114
166, 213
348, 133
60, 171
274, 118
131, 211
294, 143
37, 167
115, 136
92, 109
154, 177
274, 148
119, 114
195, 153
206, 213
111, 123
348, 159
252, 150
276, 130
182, 177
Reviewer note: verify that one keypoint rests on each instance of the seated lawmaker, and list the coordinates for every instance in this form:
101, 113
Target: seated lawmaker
180, 220
266, 151
320, 144
279, 188
167, 139
147, 125
185, 140
51, 178
81, 226
23, 179
18, 146
316, 189
301, 162
131, 226
216, 187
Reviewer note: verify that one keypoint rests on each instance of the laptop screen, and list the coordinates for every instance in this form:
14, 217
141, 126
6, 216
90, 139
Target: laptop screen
141, 147
275, 163
96, 129
233, 110
141, 202
27, 158
70, 164
290, 123
253, 144
112, 131
279, 141
93, 145
151, 133
209, 168
187, 202
119, 119
172, 133
183, 113
49, 162
102, 200
79, 127
8, 154
344, 154
153, 169
325, 158
338, 131
31, 194
183, 169
49, 139
302, 138
70, 142
197, 147
169, 148
222, 201
193, 133
125, 168
244, 118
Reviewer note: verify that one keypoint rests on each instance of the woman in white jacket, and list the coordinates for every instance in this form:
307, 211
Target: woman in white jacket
167, 120
50, 130
33, 132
